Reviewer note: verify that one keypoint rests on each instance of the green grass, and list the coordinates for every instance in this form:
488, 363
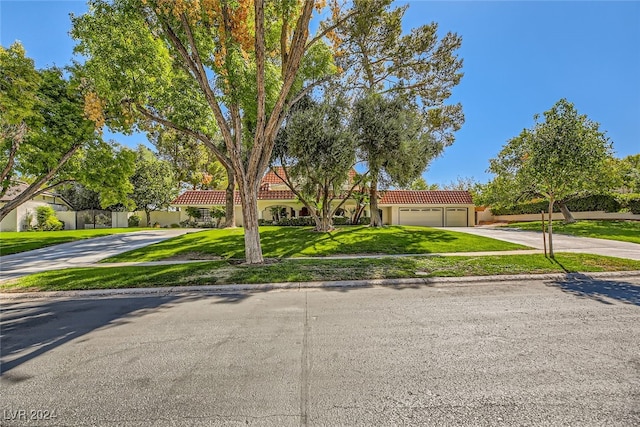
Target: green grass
14, 242
292, 270
287, 242
624, 231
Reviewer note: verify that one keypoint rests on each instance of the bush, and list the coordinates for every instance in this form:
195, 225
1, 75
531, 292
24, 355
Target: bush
134, 221
47, 220
340, 220
174, 225
365, 220
188, 224
630, 202
594, 202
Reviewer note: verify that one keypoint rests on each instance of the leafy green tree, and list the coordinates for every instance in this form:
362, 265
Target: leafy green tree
203, 68
316, 151
19, 83
57, 143
559, 158
628, 170
393, 140
384, 66
80, 197
154, 185
421, 184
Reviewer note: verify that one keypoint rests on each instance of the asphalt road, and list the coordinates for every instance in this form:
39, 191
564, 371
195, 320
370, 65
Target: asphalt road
510, 353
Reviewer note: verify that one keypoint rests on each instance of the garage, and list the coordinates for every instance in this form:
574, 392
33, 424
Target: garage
428, 217
456, 217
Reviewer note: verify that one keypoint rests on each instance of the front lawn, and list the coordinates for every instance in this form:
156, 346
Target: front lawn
13, 242
296, 270
287, 242
624, 231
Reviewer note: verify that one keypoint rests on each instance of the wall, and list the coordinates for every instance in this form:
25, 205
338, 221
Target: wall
10, 222
595, 215
69, 219
165, 219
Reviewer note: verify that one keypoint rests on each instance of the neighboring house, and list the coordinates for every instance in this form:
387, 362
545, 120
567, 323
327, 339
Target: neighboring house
17, 218
399, 207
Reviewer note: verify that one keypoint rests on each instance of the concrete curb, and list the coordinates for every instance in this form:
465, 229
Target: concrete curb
264, 287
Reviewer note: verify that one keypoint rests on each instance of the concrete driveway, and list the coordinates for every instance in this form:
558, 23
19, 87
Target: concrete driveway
81, 252
561, 243
548, 353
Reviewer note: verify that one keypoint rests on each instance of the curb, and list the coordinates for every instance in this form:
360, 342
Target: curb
264, 287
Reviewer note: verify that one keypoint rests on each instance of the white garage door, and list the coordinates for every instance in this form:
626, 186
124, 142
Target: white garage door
456, 217
429, 217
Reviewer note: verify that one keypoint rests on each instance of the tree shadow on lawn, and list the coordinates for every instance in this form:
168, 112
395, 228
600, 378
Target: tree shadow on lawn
584, 286
32, 328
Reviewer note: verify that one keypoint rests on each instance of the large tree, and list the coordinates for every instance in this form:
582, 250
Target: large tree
381, 65
47, 139
232, 67
154, 184
316, 151
561, 157
394, 141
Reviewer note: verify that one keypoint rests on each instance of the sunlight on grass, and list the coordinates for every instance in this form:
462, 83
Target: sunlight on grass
288, 242
297, 270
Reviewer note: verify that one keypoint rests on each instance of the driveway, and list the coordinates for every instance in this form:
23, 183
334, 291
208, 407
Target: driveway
556, 352
81, 252
561, 243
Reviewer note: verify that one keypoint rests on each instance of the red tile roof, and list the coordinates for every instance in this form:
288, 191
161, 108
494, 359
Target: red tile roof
390, 197
271, 178
414, 197
218, 197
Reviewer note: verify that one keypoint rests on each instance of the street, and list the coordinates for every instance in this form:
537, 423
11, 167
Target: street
507, 353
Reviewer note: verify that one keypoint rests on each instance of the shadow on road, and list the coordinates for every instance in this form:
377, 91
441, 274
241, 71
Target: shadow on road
584, 286
31, 328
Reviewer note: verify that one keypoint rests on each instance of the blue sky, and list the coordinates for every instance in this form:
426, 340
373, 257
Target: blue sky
519, 59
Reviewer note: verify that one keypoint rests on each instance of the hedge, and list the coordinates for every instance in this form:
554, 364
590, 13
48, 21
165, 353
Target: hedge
594, 202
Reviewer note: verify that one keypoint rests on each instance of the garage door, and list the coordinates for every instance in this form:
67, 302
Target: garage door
429, 217
456, 217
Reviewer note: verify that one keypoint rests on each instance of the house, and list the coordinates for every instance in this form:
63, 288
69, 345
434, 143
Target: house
16, 220
398, 207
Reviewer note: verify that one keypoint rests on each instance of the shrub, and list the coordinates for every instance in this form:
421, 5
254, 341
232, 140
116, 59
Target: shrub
156, 224
365, 220
594, 202
194, 213
340, 220
47, 220
134, 221
174, 225
188, 224
630, 202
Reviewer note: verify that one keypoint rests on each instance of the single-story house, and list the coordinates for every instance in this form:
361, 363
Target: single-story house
398, 207
17, 218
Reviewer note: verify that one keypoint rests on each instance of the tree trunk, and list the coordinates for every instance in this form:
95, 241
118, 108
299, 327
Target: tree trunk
550, 229
252, 247
34, 187
148, 213
376, 221
229, 208
566, 213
